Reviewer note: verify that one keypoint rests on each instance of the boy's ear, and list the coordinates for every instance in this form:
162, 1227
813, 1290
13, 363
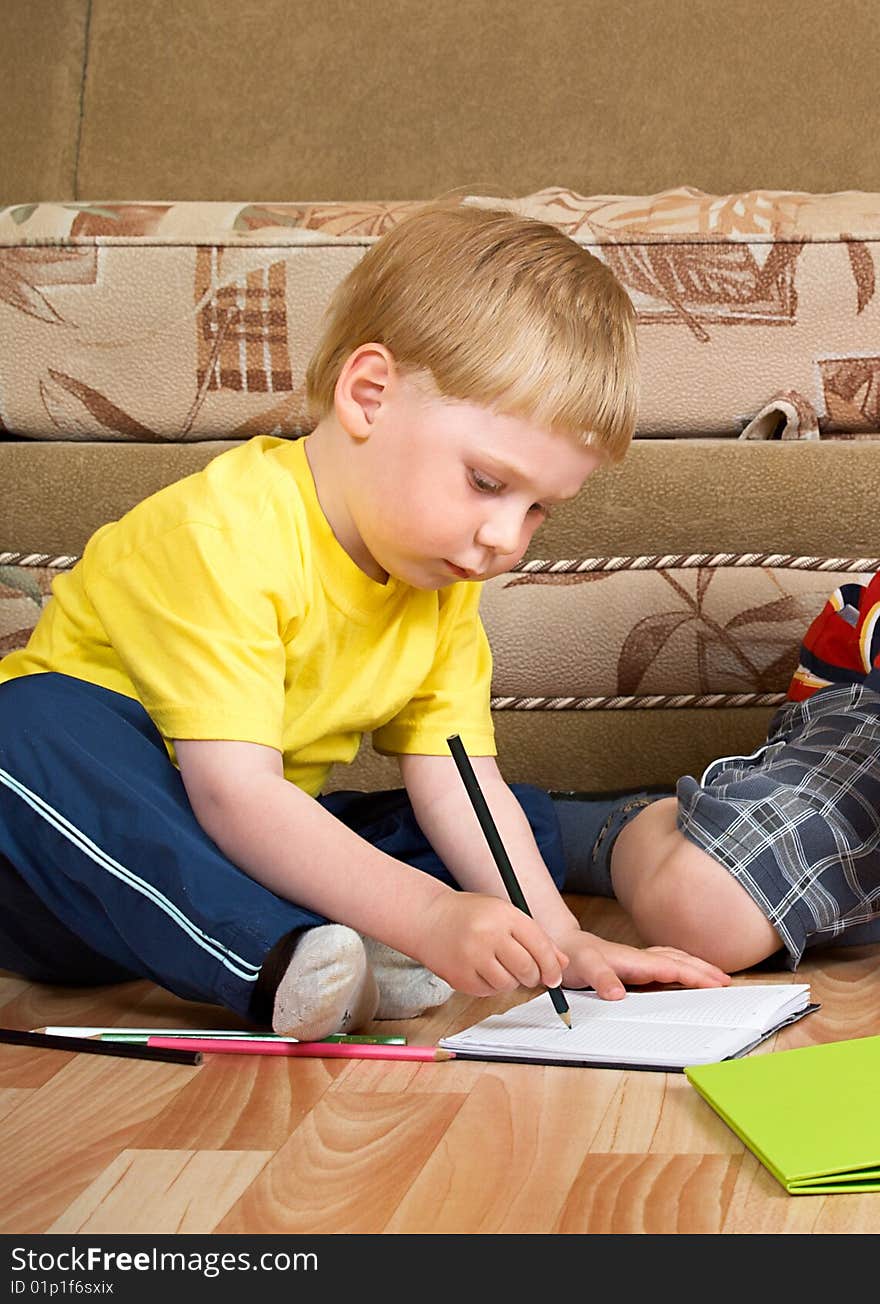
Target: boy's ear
362, 387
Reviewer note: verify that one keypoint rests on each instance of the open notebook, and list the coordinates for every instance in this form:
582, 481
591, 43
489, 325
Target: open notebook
664, 1031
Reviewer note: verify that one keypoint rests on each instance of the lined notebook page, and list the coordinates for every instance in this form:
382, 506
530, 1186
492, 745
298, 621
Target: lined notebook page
754, 1005
671, 1027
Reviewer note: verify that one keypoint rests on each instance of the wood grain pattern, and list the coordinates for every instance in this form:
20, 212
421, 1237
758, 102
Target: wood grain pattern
11, 1098
348, 1164
250, 1145
66, 1132
162, 1191
627, 1193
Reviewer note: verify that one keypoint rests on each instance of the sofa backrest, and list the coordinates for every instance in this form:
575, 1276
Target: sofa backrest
399, 99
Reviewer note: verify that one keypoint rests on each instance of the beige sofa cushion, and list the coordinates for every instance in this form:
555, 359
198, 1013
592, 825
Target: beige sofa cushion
188, 321
601, 632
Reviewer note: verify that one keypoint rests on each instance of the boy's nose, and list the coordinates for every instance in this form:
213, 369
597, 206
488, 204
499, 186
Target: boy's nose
501, 533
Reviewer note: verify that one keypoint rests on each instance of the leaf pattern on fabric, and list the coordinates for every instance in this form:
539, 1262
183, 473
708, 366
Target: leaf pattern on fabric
583, 577
21, 213
16, 581
783, 609
721, 285
851, 387
641, 646
685, 210
24, 591
74, 407
284, 418
863, 271
23, 270
117, 219
757, 260
372, 219
651, 635
661, 630
13, 641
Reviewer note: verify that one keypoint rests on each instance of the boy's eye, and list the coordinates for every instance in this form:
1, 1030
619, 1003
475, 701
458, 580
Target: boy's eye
484, 484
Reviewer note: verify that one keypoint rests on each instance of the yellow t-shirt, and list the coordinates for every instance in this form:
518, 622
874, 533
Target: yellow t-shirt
227, 607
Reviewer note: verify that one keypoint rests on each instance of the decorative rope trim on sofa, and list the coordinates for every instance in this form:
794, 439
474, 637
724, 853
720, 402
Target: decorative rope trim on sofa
672, 561
653, 561
682, 561
645, 703
37, 559
669, 561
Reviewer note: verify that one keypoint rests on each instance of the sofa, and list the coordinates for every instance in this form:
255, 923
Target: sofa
654, 622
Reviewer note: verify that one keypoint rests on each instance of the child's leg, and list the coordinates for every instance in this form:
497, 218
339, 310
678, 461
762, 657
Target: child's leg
37, 945
629, 847
746, 861
114, 877
386, 820
678, 895
590, 827
779, 847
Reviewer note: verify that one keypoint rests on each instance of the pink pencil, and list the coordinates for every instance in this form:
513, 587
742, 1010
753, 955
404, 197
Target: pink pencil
305, 1049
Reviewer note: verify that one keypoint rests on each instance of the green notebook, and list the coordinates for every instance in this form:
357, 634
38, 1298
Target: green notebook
811, 1115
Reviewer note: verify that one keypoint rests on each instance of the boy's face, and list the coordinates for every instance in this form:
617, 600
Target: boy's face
442, 490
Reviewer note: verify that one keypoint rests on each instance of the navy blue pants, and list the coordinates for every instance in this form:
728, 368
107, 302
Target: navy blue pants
106, 875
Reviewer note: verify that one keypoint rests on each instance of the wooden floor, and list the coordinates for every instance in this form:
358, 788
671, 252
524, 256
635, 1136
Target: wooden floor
95, 1145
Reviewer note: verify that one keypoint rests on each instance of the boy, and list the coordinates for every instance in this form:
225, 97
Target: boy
167, 731
779, 850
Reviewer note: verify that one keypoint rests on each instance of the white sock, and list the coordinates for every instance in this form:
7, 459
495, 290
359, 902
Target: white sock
406, 988
328, 986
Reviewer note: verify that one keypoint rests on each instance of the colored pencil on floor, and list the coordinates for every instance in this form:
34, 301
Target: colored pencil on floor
305, 1049
143, 1038
106, 1033
83, 1045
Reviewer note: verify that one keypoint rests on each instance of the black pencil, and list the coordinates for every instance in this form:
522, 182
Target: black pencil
496, 846
87, 1046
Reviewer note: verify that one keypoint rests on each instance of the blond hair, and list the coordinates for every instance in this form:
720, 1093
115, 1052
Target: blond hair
501, 310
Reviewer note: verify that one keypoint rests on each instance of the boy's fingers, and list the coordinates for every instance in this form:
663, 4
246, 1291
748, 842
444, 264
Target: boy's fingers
606, 982
498, 976
546, 955
550, 974
701, 978
516, 960
711, 977
695, 962
695, 967
477, 985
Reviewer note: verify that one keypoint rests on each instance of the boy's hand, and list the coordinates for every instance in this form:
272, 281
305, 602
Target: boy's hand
606, 966
482, 945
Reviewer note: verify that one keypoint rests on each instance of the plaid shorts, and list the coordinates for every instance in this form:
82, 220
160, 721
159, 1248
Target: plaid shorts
797, 823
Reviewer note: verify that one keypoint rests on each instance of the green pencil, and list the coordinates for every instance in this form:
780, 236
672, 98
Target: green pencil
141, 1038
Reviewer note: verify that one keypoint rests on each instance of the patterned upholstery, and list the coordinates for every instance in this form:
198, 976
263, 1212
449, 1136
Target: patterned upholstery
182, 321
